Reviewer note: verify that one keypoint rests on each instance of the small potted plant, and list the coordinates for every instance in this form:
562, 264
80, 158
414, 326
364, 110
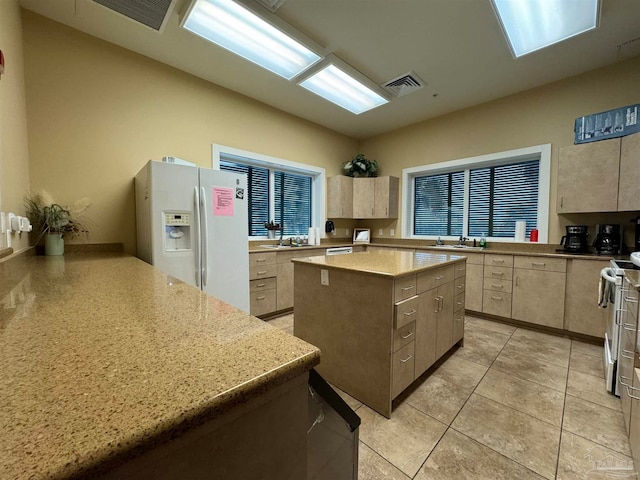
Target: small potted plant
53, 221
360, 166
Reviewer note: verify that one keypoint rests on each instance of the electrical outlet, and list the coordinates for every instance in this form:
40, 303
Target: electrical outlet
346, 231
392, 232
324, 277
380, 231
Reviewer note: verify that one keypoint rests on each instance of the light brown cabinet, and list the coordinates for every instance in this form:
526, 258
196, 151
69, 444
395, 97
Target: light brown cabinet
496, 287
581, 313
599, 176
634, 427
362, 198
474, 281
538, 290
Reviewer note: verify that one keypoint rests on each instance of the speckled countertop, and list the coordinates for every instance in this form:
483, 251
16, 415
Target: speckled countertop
384, 263
102, 357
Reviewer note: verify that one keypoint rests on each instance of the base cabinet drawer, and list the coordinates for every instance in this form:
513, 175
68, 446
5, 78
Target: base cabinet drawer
262, 302
496, 303
404, 336
263, 284
402, 371
263, 271
458, 326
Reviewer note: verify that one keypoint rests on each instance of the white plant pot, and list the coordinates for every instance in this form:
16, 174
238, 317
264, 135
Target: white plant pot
53, 244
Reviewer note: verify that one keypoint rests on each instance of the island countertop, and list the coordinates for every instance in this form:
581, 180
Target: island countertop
384, 263
104, 357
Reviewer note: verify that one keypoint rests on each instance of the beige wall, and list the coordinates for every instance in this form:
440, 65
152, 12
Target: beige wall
14, 152
97, 113
534, 117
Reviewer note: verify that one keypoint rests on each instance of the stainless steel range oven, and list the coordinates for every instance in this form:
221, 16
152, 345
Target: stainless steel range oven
611, 297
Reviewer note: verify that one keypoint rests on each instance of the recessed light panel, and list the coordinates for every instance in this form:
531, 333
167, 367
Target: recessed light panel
239, 30
530, 25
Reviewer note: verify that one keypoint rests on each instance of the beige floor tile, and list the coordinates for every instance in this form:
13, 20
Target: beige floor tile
531, 369
588, 387
541, 346
461, 372
583, 459
372, 466
405, 440
283, 322
541, 402
439, 398
458, 457
596, 423
481, 346
587, 364
520, 437
587, 348
349, 400
489, 325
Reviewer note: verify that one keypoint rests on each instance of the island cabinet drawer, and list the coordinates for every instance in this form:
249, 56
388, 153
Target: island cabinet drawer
496, 303
262, 271
459, 270
434, 278
267, 258
474, 258
404, 288
406, 312
263, 302
498, 273
497, 260
262, 284
541, 263
402, 370
459, 285
458, 302
403, 336
498, 285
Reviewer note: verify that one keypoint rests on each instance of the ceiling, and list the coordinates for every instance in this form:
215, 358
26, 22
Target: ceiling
455, 46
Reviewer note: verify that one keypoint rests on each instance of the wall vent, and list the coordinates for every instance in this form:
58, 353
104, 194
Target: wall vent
152, 13
404, 84
271, 5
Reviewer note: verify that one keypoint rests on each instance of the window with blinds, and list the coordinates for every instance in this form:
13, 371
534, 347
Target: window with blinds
498, 196
290, 199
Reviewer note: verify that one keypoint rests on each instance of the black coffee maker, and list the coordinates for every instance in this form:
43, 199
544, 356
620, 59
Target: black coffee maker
575, 241
608, 239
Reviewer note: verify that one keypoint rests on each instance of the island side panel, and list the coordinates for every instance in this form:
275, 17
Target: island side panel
351, 321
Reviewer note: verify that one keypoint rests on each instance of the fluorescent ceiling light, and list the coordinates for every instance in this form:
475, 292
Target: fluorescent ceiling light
240, 30
339, 83
530, 25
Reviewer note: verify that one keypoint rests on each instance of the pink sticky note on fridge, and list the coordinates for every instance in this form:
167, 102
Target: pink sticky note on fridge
222, 201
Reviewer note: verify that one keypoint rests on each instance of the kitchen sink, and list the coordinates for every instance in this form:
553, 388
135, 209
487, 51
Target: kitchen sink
465, 247
277, 246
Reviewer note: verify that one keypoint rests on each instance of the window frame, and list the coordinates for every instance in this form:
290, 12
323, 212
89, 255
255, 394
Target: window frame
317, 174
537, 152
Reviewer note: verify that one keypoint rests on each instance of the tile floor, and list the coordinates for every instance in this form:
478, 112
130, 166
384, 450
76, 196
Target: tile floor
511, 404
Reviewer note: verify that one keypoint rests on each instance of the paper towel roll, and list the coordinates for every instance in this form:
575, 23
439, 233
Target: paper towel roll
312, 236
317, 235
521, 229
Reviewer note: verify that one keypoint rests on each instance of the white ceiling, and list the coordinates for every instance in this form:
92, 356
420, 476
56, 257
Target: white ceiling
455, 46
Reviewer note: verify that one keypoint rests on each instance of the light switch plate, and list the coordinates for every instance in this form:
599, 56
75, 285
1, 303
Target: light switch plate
324, 276
380, 231
392, 232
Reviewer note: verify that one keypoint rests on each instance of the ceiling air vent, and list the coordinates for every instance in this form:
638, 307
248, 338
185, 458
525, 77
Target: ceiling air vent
404, 84
271, 5
152, 13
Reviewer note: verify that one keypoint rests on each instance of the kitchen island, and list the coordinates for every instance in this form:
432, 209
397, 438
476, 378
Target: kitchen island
112, 369
381, 318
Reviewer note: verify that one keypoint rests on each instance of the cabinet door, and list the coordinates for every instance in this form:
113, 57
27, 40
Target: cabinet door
284, 290
628, 198
588, 177
386, 197
581, 312
425, 348
363, 197
538, 297
444, 320
340, 197
634, 427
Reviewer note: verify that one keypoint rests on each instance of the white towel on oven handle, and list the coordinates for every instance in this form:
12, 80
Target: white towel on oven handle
605, 290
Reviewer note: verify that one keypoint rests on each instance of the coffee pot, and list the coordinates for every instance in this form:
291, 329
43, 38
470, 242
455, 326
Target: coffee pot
608, 239
575, 241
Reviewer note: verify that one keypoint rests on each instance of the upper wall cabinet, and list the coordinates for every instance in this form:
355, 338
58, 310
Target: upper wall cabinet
599, 176
362, 198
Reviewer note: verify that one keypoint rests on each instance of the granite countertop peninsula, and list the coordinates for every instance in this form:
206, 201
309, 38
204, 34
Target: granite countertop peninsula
384, 263
104, 357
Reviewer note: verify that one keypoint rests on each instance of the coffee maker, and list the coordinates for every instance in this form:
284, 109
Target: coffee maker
608, 239
575, 241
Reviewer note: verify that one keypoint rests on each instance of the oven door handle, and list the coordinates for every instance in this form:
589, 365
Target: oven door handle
608, 275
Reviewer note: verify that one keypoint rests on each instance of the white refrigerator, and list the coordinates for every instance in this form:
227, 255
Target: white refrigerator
192, 224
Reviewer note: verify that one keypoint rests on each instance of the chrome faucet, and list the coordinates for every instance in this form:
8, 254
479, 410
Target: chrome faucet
462, 240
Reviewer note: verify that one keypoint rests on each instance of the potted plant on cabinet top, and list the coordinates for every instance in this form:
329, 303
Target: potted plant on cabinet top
54, 221
360, 166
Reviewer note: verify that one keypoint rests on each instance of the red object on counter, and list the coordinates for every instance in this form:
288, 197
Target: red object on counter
533, 236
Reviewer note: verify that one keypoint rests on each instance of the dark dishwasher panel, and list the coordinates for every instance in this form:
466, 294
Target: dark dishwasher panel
332, 437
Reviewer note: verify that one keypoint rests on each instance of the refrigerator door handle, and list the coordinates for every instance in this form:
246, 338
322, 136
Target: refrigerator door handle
205, 237
196, 197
